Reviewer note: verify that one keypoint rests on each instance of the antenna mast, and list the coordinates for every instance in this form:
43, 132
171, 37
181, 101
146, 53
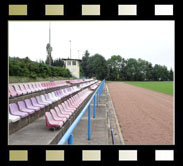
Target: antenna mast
48, 47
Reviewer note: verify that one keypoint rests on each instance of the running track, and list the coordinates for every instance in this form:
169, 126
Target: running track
145, 117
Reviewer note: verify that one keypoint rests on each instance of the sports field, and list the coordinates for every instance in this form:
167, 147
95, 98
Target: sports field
163, 87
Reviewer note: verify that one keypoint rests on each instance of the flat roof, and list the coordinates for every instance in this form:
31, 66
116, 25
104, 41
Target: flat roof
71, 59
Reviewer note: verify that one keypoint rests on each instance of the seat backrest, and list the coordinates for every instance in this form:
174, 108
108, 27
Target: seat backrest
33, 86
17, 87
60, 107
56, 93
11, 88
29, 86
57, 110
28, 102
39, 85
63, 106
49, 117
53, 113
53, 94
50, 96
22, 87
33, 100
39, 98
43, 98
66, 103
21, 105
26, 86
46, 96
13, 108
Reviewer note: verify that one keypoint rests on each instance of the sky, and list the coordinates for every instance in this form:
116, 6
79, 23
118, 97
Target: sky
149, 40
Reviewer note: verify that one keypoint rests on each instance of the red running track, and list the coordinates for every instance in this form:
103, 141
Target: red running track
145, 117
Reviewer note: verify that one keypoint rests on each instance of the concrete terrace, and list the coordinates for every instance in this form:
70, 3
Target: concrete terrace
36, 133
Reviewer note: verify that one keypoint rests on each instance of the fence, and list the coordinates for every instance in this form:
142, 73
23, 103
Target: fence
68, 136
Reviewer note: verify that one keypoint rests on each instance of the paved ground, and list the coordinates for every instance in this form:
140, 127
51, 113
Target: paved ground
145, 116
35, 133
100, 125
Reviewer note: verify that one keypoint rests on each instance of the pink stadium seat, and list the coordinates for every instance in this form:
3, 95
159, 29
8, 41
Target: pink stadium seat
35, 103
48, 99
27, 88
66, 108
17, 88
12, 90
14, 110
40, 86
60, 114
12, 93
30, 87
50, 122
37, 86
70, 106
56, 117
23, 108
64, 112
39, 101
23, 89
29, 105
34, 87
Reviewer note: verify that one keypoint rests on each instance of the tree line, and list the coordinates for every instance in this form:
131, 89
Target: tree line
117, 68
27, 68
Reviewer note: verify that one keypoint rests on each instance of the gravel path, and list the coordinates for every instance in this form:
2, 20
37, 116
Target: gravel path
145, 116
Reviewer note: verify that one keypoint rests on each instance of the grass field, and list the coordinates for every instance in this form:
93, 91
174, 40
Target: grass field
163, 87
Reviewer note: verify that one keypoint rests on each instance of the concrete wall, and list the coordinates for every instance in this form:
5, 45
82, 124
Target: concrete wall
74, 69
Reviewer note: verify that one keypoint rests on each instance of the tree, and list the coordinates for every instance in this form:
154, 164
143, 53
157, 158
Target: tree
132, 70
58, 62
171, 75
85, 63
114, 66
160, 73
97, 67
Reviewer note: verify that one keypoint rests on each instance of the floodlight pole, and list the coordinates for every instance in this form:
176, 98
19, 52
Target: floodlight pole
70, 48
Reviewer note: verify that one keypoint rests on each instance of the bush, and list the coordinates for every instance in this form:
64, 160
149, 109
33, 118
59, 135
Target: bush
27, 68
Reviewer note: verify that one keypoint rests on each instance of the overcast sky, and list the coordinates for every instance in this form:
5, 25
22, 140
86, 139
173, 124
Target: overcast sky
149, 40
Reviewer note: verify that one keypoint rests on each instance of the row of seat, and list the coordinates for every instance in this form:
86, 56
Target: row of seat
79, 81
83, 85
24, 108
58, 116
93, 87
27, 88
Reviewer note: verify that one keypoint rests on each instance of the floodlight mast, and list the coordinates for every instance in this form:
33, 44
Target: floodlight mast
70, 48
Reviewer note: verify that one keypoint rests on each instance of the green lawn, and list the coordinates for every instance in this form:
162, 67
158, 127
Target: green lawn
163, 87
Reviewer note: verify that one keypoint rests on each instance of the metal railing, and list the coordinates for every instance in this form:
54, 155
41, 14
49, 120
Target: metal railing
68, 136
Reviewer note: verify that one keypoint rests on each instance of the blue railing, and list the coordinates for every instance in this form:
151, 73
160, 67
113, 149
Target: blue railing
68, 136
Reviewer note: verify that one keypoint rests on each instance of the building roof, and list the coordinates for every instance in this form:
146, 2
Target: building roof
71, 59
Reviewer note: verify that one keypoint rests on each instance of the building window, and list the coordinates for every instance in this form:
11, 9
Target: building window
73, 62
68, 63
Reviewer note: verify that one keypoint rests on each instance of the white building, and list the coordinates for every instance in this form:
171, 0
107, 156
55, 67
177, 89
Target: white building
73, 65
